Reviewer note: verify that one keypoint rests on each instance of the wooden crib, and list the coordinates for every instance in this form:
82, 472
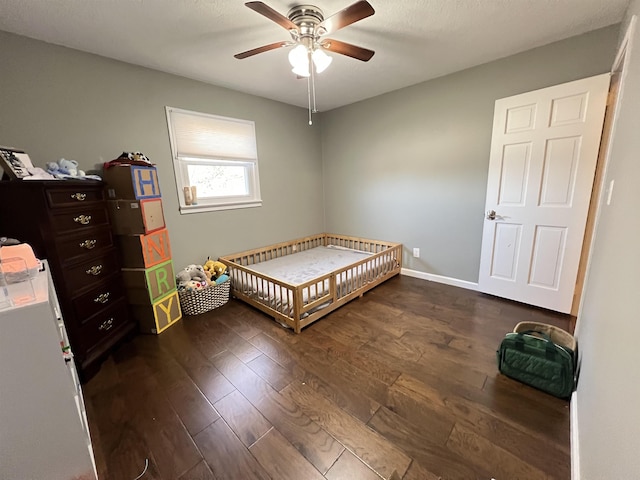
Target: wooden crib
298, 305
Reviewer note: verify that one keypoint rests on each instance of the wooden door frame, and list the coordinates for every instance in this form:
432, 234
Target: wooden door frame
618, 75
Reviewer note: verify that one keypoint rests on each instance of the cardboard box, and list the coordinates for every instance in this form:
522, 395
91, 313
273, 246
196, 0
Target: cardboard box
147, 285
131, 182
157, 317
133, 217
144, 251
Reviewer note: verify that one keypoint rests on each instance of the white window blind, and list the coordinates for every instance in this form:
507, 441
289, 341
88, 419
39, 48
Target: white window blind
199, 135
216, 157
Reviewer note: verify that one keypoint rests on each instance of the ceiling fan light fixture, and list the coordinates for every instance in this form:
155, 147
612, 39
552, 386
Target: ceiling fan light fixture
301, 70
299, 57
321, 60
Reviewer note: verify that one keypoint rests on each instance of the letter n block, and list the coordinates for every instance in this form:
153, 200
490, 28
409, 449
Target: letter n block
155, 247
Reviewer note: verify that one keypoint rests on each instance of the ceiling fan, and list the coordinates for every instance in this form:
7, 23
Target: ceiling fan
307, 26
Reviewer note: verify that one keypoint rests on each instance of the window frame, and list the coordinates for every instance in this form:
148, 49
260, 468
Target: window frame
182, 162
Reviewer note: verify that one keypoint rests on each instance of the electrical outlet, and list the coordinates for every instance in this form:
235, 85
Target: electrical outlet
416, 252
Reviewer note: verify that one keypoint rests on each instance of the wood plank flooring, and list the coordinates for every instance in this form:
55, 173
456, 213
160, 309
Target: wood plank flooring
401, 383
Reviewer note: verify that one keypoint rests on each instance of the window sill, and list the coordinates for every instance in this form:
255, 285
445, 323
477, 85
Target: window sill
187, 209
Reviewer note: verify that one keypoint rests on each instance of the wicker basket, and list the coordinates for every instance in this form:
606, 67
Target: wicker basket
199, 301
557, 335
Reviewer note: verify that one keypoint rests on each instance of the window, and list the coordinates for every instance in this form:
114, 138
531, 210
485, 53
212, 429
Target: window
217, 156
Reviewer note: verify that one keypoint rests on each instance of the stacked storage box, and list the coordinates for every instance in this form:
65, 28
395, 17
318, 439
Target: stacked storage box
135, 207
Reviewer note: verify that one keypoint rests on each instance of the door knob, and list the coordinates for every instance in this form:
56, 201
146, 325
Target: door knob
491, 215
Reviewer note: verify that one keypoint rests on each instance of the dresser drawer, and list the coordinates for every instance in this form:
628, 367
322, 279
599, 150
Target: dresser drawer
96, 299
84, 243
68, 197
88, 273
80, 218
101, 326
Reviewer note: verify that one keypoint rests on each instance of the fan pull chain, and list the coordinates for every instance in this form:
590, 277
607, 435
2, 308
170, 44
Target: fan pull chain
313, 85
309, 98
311, 88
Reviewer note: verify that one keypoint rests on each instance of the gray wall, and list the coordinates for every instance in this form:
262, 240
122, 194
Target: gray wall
608, 327
57, 102
411, 166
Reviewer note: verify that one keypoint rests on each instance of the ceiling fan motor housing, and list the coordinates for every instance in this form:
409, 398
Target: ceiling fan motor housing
307, 18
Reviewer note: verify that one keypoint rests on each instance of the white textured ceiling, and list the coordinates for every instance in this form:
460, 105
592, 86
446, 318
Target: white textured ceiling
414, 40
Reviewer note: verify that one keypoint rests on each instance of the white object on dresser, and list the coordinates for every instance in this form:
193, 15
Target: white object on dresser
44, 433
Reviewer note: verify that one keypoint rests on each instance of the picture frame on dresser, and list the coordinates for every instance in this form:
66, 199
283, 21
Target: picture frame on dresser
15, 163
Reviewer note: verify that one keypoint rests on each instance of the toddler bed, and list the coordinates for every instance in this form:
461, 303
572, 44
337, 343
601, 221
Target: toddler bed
300, 281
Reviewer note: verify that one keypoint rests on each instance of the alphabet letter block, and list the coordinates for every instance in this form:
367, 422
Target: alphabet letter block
156, 317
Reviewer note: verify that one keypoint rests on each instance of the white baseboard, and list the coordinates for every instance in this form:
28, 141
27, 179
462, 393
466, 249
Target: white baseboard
440, 279
575, 446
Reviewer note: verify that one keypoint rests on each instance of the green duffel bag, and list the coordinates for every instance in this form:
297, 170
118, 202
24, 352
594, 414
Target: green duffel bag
533, 358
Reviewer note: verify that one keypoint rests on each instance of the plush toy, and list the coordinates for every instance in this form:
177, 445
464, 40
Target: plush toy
193, 285
68, 169
197, 273
192, 273
208, 265
211, 279
216, 268
219, 268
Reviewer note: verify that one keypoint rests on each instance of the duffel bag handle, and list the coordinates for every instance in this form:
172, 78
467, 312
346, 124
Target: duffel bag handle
550, 346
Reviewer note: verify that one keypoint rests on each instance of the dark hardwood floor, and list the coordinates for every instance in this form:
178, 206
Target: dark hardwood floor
401, 380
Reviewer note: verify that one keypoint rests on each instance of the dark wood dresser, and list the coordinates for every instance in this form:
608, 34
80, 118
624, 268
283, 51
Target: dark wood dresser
67, 223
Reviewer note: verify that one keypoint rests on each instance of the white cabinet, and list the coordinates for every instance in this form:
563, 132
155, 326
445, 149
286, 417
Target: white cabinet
43, 424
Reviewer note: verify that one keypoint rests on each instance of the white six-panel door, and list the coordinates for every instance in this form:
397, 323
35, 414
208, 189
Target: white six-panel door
544, 151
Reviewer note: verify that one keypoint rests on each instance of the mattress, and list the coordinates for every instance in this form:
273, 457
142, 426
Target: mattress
304, 266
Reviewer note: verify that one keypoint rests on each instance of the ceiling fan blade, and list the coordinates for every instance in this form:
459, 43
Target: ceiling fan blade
271, 14
347, 49
349, 15
264, 48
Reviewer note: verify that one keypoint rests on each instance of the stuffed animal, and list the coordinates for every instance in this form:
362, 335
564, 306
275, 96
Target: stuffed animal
210, 277
193, 285
208, 265
192, 273
67, 168
70, 167
216, 268
219, 268
197, 273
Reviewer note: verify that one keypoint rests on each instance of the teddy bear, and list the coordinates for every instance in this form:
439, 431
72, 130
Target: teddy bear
66, 167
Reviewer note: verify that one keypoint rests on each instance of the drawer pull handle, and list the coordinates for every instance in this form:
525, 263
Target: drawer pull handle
95, 270
106, 325
102, 298
83, 219
88, 244
79, 196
